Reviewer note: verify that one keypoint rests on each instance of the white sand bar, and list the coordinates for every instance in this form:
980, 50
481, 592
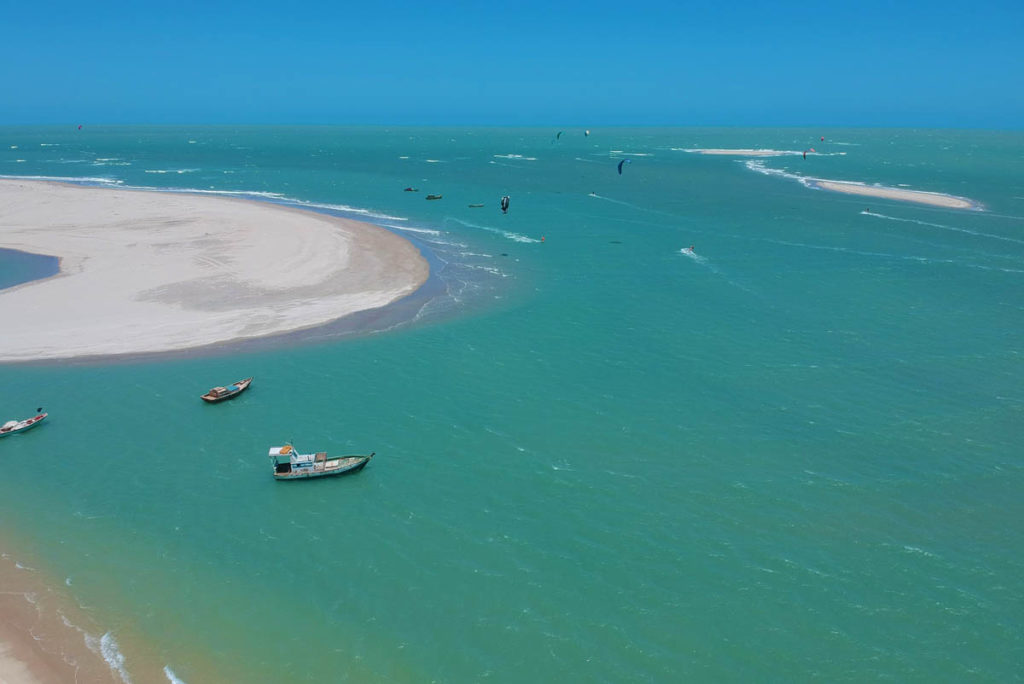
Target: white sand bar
742, 153
934, 199
159, 271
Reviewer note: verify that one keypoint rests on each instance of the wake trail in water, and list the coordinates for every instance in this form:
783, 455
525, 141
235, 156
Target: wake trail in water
702, 260
507, 234
636, 207
942, 226
884, 255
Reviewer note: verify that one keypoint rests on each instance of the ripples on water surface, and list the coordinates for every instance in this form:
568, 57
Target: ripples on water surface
793, 452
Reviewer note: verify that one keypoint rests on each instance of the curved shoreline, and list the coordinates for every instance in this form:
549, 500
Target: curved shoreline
150, 272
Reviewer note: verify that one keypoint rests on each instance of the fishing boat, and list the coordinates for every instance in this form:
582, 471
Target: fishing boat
289, 464
221, 393
13, 426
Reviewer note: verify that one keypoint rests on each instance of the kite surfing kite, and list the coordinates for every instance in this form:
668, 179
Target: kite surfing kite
504, 204
624, 161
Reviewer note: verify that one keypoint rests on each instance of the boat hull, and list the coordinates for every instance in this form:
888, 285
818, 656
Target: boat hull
213, 399
24, 425
307, 473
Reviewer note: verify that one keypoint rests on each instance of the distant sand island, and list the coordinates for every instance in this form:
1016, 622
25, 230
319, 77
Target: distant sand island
161, 271
935, 199
741, 153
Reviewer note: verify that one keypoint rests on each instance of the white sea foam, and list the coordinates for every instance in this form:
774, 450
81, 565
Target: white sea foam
410, 229
191, 142
517, 157
753, 152
620, 153
403, 157
171, 677
171, 170
276, 196
432, 161
689, 253
488, 269
345, 208
19, 161
107, 647
918, 550
515, 237
756, 152
49, 144
815, 183
14, 147
940, 225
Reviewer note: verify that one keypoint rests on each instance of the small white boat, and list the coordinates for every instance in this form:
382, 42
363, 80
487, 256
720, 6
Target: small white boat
12, 426
289, 464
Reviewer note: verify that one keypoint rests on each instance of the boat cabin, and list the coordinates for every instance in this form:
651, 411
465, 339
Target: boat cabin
221, 391
288, 460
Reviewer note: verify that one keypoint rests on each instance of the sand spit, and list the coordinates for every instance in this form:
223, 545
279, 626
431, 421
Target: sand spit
741, 153
934, 199
161, 271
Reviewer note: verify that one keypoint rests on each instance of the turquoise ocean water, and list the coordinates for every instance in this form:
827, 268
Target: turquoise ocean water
795, 453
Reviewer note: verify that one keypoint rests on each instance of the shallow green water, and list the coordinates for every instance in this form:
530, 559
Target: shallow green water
792, 454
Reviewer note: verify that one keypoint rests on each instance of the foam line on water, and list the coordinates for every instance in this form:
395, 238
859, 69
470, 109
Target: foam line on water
940, 225
171, 676
702, 260
883, 255
635, 207
68, 179
257, 194
515, 237
107, 647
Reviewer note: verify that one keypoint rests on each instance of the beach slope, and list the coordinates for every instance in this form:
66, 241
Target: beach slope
161, 271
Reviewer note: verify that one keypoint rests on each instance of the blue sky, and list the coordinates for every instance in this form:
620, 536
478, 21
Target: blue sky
570, 63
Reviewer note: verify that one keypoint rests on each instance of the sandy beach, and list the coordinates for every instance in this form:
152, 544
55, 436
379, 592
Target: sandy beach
934, 199
160, 271
44, 637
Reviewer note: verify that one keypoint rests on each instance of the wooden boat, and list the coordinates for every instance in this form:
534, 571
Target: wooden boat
222, 393
13, 426
434, 196
289, 464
